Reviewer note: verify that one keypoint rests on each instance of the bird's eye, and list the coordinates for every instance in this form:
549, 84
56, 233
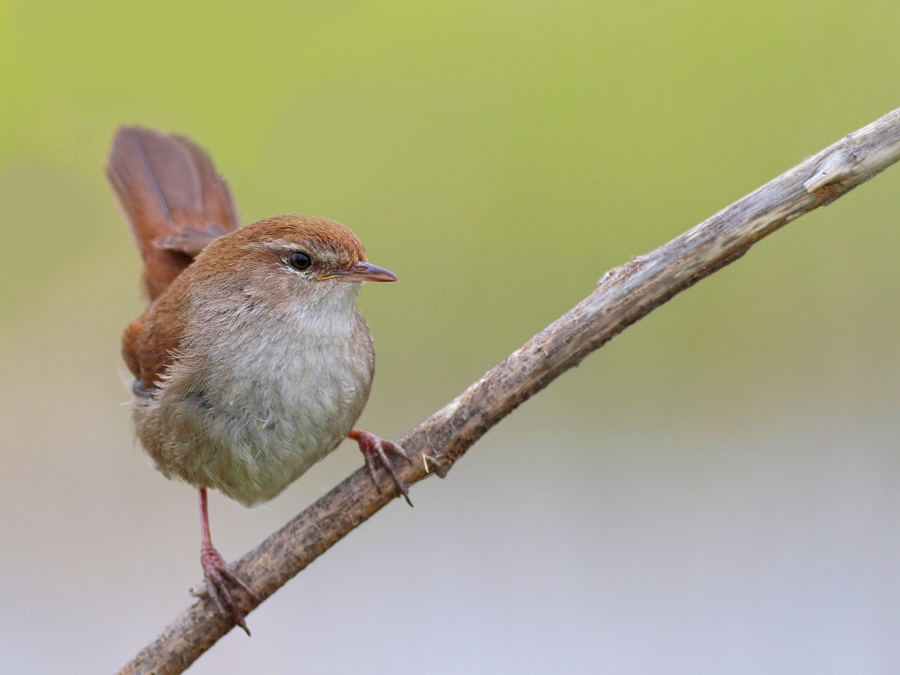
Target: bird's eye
299, 260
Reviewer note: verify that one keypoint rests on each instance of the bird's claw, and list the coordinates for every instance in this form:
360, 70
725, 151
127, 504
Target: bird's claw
217, 573
375, 449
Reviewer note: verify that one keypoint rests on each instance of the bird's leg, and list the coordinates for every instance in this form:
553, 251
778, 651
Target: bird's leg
216, 572
376, 449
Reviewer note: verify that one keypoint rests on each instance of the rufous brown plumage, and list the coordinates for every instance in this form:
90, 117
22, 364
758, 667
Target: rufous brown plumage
252, 361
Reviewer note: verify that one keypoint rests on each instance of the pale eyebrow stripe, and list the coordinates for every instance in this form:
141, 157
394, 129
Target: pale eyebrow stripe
285, 245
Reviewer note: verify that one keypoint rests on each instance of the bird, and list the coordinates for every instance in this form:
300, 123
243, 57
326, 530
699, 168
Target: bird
252, 361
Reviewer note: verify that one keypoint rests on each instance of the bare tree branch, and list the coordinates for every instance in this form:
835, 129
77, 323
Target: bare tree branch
624, 295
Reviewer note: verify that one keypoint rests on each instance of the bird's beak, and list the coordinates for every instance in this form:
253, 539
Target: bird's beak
363, 271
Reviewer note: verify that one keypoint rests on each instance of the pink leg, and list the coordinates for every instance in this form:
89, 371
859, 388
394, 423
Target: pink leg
375, 449
216, 572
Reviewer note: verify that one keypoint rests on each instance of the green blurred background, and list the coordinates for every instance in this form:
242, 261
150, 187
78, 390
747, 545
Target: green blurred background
715, 491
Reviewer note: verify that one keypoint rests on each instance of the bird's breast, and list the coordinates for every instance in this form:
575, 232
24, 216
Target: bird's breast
254, 401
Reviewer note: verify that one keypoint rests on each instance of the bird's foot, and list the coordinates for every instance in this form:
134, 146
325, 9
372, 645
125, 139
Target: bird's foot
376, 449
218, 575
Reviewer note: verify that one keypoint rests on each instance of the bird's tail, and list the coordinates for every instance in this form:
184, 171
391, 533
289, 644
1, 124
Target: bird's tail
173, 199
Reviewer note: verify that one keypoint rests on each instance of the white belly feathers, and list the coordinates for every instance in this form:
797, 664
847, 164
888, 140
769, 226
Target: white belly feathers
281, 406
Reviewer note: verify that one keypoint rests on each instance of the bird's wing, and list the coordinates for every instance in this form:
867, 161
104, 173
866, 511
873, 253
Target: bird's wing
173, 199
150, 343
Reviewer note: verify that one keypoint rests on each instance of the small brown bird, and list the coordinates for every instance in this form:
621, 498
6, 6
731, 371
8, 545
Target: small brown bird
252, 361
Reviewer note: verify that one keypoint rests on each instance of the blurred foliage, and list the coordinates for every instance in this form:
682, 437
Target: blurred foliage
499, 157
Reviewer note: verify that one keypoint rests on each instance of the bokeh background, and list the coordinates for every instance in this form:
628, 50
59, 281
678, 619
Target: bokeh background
716, 491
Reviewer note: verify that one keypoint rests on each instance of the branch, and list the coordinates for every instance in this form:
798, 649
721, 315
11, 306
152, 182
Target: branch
623, 296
